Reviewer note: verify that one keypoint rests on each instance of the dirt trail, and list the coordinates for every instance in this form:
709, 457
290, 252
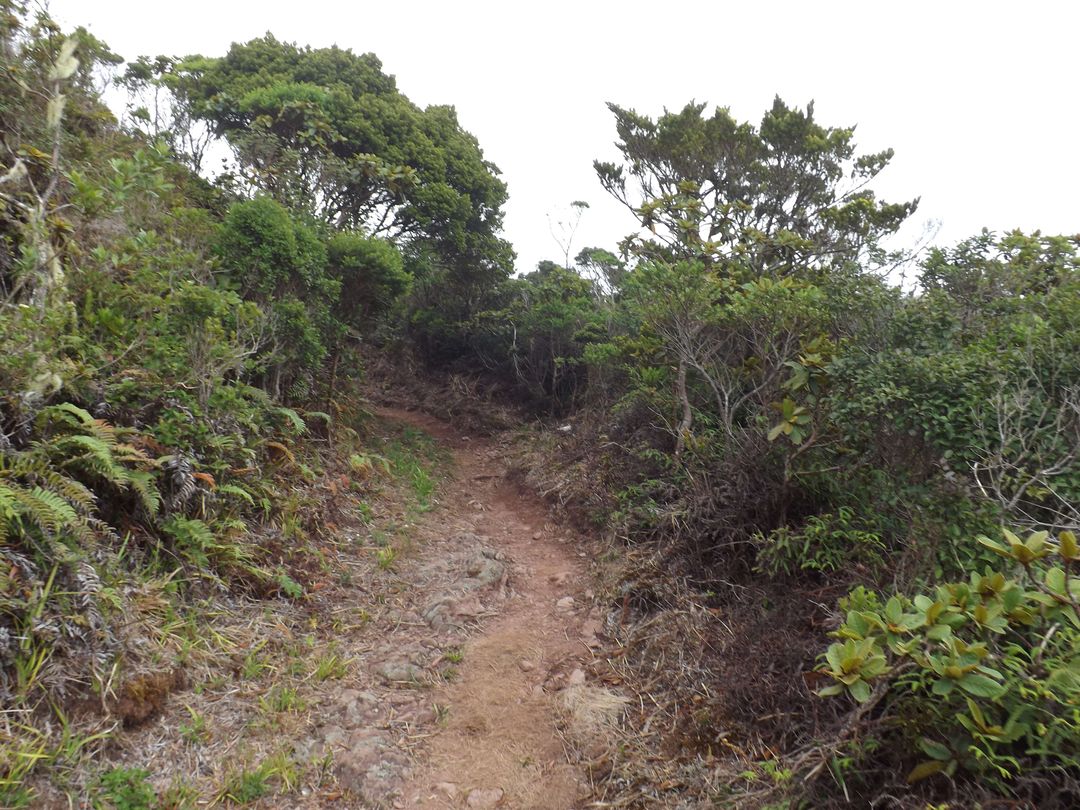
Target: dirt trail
497, 740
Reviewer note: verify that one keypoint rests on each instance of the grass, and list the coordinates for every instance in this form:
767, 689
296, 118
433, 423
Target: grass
204, 636
245, 786
195, 731
442, 713
254, 664
125, 789
282, 699
385, 557
330, 666
248, 785
414, 457
22, 748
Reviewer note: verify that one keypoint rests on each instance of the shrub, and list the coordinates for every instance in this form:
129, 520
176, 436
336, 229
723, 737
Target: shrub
980, 676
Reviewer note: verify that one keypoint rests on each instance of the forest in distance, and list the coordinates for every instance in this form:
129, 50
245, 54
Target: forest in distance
832, 520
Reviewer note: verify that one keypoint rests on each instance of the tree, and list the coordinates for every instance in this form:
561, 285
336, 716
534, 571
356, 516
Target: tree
326, 132
280, 263
782, 198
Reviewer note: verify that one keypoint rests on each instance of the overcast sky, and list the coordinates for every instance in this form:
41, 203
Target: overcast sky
980, 100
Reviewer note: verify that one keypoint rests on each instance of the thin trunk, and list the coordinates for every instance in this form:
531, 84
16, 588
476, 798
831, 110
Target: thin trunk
687, 411
330, 393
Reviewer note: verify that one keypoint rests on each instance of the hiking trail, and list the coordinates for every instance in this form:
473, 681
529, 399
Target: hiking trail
466, 697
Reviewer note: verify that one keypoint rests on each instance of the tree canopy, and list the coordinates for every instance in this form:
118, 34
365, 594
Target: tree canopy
327, 132
778, 198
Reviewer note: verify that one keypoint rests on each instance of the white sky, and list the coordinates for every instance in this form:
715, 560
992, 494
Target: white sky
980, 100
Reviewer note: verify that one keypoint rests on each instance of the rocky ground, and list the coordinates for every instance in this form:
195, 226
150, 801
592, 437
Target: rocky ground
500, 624
449, 672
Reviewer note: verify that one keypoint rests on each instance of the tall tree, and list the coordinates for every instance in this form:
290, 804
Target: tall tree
775, 199
326, 132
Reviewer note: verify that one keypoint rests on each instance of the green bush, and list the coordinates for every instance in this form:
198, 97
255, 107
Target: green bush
981, 675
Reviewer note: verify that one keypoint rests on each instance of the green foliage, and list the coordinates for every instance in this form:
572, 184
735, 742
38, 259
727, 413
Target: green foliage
372, 276
541, 333
327, 133
125, 789
826, 543
782, 198
985, 670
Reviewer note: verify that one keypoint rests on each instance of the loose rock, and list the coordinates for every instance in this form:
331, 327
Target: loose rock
484, 798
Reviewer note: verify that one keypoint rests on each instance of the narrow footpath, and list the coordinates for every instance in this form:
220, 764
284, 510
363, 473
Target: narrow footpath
483, 669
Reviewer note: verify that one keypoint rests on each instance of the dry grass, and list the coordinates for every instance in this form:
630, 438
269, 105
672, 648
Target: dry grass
216, 687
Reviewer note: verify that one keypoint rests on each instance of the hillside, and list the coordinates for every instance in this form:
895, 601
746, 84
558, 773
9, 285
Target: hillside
308, 499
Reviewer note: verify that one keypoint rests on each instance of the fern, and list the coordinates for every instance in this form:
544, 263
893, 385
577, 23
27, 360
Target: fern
297, 424
77, 493
91, 454
67, 412
193, 538
9, 512
43, 508
238, 491
142, 482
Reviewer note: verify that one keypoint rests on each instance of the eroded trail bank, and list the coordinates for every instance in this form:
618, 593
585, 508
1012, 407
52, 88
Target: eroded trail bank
493, 634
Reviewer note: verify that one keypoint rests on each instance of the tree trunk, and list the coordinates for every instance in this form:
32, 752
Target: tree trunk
687, 411
330, 386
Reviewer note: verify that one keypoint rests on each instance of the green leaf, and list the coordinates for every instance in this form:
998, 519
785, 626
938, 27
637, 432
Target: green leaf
935, 749
997, 548
860, 690
924, 770
942, 687
894, 610
1068, 548
980, 685
1055, 581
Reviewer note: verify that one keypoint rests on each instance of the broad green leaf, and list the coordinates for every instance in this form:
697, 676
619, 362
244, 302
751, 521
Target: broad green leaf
1068, 548
860, 690
980, 685
924, 770
1055, 580
935, 749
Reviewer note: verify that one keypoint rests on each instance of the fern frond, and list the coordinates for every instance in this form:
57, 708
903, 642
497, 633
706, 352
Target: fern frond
92, 454
295, 421
69, 489
190, 532
280, 451
129, 454
101, 429
50, 512
67, 412
238, 491
322, 416
9, 512
144, 485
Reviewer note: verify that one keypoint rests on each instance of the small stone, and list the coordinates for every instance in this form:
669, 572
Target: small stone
566, 603
447, 789
537, 535
470, 607
334, 735
400, 672
577, 678
484, 798
526, 666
